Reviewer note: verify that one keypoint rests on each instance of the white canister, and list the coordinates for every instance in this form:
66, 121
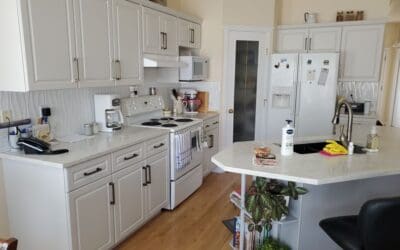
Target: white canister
310, 17
367, 107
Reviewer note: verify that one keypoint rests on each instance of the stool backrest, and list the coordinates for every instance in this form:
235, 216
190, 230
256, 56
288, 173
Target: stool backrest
379, 222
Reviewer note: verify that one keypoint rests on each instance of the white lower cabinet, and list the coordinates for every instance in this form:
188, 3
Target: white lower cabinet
92, 216
105, 212
129, 205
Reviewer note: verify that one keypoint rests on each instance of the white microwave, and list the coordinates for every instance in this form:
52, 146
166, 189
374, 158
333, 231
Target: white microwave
194, 68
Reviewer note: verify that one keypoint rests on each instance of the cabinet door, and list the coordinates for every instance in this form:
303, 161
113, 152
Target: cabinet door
169, 25
324, 39
196, 40
158, 188
92, 216
292, 40
129, 196
50, 40
94, 42
127, 40
184, 33
361, 52
151, 31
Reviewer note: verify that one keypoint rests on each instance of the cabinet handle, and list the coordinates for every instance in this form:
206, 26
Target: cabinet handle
112, 202
162, 40
309, 43
211, 141
130, 157
207, 126
76, 69
145, 176
149, 168
305, 44
215, 123
166, 41
158, 146
92, 172
117, 70
191, 35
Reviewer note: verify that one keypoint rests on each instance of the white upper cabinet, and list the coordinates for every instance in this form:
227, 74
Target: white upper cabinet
169, 27
324, 39
94, 40
189, 34
361, 52
128, 63
292, 40
160, 33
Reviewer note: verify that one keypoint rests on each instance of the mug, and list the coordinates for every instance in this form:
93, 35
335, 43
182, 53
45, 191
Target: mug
310, 17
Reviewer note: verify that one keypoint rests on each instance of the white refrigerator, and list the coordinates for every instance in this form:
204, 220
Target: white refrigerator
302, 88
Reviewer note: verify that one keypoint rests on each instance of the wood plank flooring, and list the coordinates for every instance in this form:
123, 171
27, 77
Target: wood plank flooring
195, 224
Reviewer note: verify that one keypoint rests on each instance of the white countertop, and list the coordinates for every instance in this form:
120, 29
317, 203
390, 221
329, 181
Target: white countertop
316, 169
100, 144
202, 116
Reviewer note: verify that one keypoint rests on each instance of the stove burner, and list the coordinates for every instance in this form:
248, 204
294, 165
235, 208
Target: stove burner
184, 120
166, 119
169, 125
153, 123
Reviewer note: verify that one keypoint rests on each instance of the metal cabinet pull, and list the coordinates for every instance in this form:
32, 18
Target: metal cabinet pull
211, 141
76, 69
166, 41
112, 202
214, 123
191, 35
162, 40
92, 172
309, 43
117, 70
159, 145
130, 157
145, 176
149, 168
207, 126
305, 44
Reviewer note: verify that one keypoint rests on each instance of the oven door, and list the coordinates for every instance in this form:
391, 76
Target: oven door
196, 152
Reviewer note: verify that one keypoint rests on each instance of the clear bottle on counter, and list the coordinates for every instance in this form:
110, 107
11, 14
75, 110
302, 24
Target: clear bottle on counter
373, 139
350, 148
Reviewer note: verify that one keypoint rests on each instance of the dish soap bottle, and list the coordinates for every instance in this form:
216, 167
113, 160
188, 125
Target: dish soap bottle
373, 140
287, 139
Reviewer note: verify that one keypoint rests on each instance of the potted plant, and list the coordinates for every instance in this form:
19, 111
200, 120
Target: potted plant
272, 244
266, 202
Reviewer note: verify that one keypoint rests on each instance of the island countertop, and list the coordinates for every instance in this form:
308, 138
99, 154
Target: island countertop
317, 169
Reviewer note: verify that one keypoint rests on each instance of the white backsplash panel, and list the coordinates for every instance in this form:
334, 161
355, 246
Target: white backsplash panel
361, 91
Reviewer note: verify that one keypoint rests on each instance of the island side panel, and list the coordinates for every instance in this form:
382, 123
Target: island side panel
338, 199
37, 208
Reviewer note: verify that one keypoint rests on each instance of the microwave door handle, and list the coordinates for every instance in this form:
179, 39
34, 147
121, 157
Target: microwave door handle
121, 117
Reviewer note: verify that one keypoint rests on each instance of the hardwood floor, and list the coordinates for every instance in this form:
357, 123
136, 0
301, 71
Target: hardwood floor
195, 224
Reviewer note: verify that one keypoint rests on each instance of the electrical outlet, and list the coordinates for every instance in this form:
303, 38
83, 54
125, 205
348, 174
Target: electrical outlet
5, 116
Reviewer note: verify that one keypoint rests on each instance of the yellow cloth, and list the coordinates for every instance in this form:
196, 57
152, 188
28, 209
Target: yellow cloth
335, 148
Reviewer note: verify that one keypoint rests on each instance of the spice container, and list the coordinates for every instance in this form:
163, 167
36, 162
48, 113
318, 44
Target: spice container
88, 129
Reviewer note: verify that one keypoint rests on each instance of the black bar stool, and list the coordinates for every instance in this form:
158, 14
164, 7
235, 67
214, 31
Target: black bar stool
376, 227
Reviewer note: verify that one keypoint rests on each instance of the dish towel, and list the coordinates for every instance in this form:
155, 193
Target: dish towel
183, 150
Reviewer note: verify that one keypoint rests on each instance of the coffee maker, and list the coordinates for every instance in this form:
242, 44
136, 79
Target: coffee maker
108, 112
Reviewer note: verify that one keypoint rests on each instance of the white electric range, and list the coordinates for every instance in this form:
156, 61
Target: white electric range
186, 171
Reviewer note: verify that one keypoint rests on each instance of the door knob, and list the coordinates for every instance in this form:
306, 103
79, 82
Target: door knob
230, 111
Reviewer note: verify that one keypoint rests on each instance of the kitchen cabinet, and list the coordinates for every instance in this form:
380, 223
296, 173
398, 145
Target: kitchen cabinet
324, 39
129, 205
361, 52
93, 20
128, 62
91, 216
157, 193
189, 34
211, 136
160, 33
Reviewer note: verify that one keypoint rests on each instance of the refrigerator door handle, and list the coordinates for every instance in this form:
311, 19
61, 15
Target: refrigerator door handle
298, 98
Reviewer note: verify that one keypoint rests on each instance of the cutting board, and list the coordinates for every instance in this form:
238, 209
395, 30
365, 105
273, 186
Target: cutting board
203, 97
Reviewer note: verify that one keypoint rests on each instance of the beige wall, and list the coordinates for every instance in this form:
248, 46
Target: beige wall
394, 11
3, 209
250, 12
292, 10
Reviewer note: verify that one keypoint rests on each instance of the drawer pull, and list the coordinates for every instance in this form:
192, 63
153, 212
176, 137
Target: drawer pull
130, 157
145, 176
159, 145
207, 126
215, 123
93, 172
112, 185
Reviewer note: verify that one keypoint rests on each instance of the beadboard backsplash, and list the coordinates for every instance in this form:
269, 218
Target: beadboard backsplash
71, 108
361, 91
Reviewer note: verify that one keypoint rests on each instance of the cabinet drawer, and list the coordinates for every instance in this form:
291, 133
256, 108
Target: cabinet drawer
128, 156
87, 172
157, 145
211, 123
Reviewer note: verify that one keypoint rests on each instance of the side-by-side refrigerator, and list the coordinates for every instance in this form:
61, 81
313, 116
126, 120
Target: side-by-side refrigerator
302, 88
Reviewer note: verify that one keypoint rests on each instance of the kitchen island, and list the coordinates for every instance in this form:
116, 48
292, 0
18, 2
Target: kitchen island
337, 185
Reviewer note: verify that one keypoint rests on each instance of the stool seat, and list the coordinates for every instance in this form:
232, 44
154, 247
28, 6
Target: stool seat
343, 231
